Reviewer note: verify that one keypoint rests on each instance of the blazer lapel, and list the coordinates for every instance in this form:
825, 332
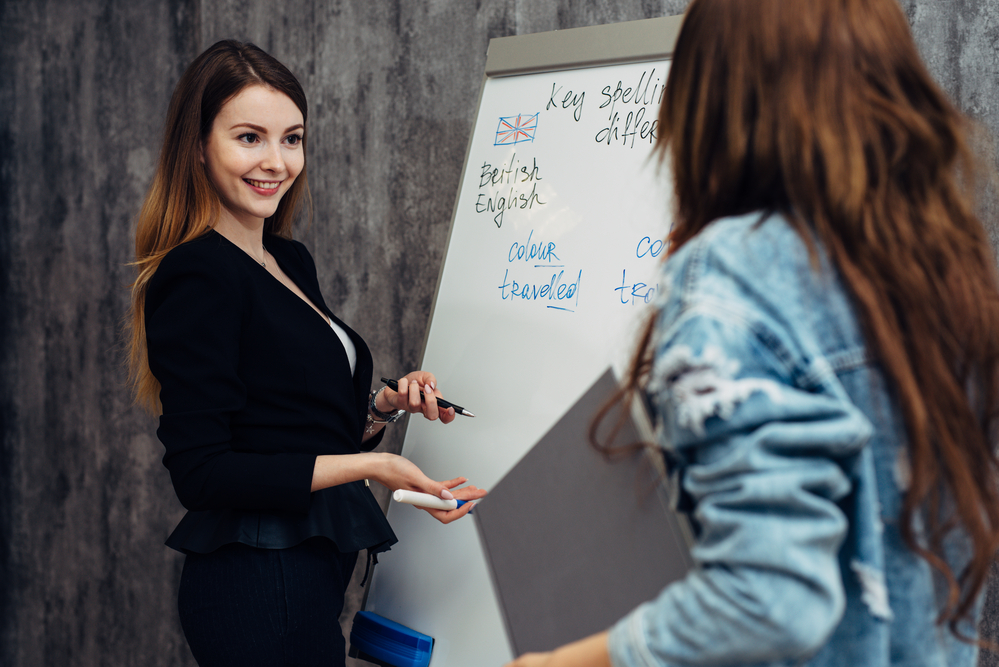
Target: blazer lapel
296, 269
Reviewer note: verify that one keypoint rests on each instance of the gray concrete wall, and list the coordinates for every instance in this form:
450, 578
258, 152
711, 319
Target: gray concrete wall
84, 502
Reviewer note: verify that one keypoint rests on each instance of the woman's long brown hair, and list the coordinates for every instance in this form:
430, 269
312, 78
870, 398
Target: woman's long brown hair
822, 110
182, 204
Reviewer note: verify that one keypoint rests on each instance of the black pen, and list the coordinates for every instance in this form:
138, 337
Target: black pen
394, 386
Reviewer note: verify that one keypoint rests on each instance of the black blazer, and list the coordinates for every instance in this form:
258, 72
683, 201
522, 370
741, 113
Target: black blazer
254, 385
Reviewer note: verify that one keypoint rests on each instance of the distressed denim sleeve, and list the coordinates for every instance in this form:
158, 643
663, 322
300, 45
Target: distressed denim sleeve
764, 466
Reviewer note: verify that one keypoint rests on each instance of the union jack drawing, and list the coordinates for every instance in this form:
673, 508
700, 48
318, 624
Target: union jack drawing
516, 129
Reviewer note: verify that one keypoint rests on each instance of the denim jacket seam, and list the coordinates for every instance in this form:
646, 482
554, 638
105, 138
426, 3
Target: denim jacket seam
692, 271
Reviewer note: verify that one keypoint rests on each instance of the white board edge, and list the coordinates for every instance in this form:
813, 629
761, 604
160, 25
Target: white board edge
580, 48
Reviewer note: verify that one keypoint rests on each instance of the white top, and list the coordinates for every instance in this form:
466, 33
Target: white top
348, 345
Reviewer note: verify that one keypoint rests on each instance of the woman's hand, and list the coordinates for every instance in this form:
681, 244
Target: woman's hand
589, 652
396, 472
464, 493
417, 393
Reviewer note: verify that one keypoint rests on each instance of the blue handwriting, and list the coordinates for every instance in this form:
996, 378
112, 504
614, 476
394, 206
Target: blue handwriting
649, 247
530, 252
635, 293
555, 291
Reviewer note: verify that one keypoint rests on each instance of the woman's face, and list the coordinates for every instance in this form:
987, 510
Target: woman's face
254, 152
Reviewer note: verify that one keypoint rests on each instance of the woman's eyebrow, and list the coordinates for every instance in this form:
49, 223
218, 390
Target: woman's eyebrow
263, 130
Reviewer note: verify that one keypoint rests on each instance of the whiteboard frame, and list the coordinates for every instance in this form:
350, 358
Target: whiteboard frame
579, 48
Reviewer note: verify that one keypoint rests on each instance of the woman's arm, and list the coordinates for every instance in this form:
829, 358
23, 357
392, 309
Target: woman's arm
765, 463
194, 316
394, 472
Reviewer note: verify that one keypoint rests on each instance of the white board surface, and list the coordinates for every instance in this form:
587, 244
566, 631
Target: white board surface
554, 253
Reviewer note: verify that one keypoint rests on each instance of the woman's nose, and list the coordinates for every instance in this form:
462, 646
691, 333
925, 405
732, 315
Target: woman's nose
272, 158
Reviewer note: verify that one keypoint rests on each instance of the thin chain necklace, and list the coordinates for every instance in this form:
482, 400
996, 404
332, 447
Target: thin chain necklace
262, 262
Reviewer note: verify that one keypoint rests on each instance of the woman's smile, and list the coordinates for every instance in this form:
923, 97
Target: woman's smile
265, 188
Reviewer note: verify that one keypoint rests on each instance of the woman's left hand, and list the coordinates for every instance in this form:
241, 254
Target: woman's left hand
418, 393
589, 652
531, 660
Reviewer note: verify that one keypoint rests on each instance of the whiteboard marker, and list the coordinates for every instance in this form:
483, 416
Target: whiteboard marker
426, 500
394, 386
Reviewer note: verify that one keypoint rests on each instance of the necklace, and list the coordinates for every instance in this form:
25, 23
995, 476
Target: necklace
263, 262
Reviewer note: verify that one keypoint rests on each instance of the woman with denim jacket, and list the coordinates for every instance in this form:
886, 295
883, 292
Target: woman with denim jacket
825, 360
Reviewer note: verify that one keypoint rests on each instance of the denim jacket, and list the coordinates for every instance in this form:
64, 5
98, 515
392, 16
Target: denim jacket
792, 455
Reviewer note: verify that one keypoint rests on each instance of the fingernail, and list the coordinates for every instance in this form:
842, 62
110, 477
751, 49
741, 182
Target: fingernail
429, 389
433, 385
447, 495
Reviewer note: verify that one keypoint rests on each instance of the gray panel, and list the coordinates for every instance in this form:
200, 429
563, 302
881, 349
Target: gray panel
557, 578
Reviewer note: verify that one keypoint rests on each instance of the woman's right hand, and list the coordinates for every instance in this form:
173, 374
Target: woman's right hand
397, 472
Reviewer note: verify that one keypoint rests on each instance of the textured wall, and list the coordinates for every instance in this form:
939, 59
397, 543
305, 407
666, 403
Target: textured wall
84, 503
959, 40
85, 506
960, 43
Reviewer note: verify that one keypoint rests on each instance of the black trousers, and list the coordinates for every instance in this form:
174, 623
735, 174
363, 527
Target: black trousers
243, 606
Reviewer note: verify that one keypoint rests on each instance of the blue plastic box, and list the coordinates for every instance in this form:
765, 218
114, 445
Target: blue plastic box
387, 643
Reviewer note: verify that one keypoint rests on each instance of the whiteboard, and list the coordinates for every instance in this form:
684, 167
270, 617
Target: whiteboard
552, 260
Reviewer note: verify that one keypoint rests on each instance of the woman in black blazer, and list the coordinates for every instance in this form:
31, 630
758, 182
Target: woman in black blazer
267, 415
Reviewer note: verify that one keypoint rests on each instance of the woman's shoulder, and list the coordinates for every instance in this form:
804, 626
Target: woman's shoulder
748, 256
210, 250
752, 240
756, 272
205, 259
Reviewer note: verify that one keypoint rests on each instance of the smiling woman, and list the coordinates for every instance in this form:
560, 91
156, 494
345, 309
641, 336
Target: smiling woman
264, 395
253, 155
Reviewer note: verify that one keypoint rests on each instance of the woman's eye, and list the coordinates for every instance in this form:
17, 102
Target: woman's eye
294, 139
249, 137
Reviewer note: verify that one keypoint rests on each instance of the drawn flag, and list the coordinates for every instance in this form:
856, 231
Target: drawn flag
516, 129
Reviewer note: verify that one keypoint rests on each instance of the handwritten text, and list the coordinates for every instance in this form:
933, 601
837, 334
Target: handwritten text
516, 196
533, 252
637, 123
566, 101
561, 295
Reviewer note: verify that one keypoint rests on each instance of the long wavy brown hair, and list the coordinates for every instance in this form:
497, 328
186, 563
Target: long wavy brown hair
823, 111
182, 203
